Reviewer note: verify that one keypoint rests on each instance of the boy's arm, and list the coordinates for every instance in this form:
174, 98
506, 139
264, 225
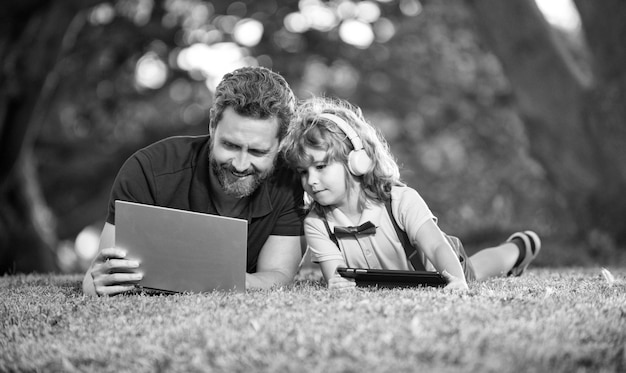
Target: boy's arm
334, 280
437, 249
324, 249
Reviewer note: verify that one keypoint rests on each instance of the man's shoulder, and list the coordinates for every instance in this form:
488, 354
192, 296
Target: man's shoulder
175, 144
284, 190
173, 153
284, 177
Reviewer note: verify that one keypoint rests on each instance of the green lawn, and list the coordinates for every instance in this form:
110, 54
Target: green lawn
549, 320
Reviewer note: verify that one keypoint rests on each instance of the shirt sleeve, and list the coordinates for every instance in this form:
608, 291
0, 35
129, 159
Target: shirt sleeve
291, 213
132, 184
322, 247
289, 222
410, 210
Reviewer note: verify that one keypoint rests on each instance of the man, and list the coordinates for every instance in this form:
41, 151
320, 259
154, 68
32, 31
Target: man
234, 171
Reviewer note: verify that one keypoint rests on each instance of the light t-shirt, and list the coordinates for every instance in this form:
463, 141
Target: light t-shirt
380, 251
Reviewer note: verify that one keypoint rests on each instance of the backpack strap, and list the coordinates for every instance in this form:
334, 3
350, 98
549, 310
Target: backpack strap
330, 233
411, 252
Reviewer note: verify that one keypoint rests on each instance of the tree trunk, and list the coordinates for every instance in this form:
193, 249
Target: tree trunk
32, 34
574, 122
605, 31
27, 236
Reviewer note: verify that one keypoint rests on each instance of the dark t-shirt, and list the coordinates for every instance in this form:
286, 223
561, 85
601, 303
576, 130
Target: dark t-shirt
174, 173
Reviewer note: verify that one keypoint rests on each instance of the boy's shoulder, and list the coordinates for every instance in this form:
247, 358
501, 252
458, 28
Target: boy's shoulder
407, 200
313, 222
312, 216
403, 194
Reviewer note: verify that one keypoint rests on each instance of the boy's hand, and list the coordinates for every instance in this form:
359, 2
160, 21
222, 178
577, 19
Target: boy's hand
341, 283
455, 283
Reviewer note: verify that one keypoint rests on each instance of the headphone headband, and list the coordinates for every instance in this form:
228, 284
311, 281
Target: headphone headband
358, 161
346, 128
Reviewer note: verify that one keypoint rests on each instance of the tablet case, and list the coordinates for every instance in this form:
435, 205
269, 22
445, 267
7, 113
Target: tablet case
392, 278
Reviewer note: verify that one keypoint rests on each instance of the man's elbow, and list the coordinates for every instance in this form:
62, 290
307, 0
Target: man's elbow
269, 279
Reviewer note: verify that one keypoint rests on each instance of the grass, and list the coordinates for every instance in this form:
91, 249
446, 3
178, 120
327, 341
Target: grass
549, 320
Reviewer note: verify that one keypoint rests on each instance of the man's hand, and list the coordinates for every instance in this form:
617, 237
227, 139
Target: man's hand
112, 273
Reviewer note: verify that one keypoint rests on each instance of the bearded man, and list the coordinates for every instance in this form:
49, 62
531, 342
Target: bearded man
234, 171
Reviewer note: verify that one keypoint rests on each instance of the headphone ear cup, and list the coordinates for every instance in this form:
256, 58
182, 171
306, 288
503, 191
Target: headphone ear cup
359, 162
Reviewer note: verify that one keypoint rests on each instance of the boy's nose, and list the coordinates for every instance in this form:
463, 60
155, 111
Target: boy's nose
311, 179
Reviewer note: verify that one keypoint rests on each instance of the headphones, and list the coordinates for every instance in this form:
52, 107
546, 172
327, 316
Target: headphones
358, 160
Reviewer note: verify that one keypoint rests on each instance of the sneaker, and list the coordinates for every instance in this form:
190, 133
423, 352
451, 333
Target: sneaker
532, 244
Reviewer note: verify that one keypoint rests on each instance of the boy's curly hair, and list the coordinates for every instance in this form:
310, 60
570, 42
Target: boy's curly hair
308, 129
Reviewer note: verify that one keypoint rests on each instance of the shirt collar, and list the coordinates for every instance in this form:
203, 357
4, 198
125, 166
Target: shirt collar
372, 212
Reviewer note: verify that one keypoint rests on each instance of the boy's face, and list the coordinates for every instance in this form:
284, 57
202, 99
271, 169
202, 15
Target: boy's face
324, 180
243, 152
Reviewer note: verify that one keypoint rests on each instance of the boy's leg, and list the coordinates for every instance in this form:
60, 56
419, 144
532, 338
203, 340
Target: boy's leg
510, 258
494, 261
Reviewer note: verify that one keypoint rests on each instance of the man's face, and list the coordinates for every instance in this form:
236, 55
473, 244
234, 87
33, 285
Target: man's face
243, 152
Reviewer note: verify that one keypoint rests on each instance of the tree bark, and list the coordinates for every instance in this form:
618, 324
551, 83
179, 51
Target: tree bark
570, 117
32, 34
605, 32
27, 235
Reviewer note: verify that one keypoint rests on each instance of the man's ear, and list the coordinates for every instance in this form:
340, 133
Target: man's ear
211, 118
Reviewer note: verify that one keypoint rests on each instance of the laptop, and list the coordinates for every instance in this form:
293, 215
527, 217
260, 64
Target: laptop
385, 278
183, 251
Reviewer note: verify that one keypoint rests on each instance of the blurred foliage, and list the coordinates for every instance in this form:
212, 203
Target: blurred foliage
440, 98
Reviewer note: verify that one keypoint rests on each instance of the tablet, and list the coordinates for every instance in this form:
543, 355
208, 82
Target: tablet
385, 278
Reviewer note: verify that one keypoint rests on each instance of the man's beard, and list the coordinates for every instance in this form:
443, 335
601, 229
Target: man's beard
237, 184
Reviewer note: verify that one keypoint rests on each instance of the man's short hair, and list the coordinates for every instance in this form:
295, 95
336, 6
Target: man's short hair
255, 92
